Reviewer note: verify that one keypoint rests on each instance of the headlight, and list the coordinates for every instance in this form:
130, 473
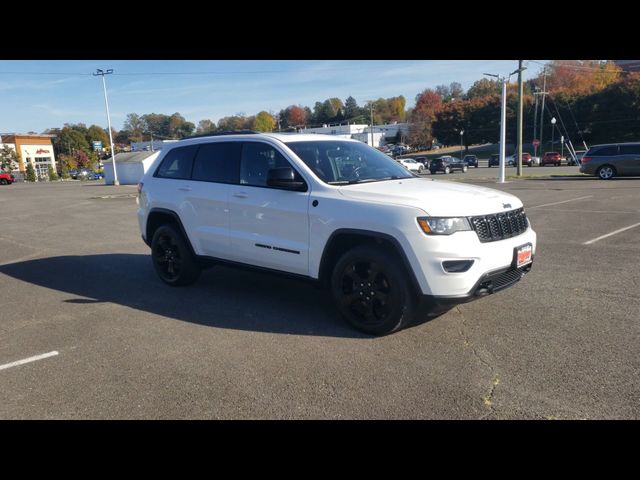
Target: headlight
443, 225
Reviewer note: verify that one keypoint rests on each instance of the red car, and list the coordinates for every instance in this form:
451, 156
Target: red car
553, 158
6, 179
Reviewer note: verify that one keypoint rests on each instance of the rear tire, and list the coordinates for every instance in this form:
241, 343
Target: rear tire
464, 169
3, 181
372, 291
606, 172
447, 170
172, 258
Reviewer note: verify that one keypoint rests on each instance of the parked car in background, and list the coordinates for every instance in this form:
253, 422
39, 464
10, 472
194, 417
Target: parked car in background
527, 159
579, 155
494, 160
6, 178
447, 164
552, 158
472, 160
411, 165
608, 161
424, 161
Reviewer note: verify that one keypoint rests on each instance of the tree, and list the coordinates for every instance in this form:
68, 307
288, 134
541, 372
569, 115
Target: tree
52, 174
8, 159
73, 138
352, 111
30, 173
428, 104
264, 122
295, 116
96, 133
205, 126
483, 88
135, 125
456, 91
82, 159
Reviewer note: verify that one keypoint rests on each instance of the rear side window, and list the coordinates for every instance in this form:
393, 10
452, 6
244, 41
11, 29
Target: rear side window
217, 162
604, 151
629, 149
177, 163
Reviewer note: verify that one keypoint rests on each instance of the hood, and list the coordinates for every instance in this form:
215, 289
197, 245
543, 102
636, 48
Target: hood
437, 198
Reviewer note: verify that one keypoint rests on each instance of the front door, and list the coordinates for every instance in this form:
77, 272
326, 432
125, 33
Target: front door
269, 227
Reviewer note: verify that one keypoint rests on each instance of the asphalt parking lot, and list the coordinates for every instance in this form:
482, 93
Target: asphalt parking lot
77, 287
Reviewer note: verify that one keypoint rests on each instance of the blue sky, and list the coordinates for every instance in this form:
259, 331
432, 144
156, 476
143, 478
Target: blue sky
36, 95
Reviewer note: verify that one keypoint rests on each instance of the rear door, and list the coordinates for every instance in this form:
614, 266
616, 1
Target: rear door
269, 227
215, 170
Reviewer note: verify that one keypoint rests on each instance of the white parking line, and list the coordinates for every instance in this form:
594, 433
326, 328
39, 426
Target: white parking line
612, 233
28, 360
558, 203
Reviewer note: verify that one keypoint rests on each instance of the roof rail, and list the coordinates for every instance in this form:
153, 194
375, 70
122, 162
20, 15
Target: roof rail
216, 134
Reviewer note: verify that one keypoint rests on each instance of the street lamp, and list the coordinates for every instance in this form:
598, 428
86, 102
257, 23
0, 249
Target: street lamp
553, 128
503, 121
461, 133
102, 73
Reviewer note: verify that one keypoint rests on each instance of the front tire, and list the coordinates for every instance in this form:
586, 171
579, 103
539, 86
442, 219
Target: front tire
606, 172
464, 169
372, 291
447, 170
3, 181
172, 259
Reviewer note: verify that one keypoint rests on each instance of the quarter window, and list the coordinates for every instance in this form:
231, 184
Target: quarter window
605, 151
178, 162
217, 162
629, 149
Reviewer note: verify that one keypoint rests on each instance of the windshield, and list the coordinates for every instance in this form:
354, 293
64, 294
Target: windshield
341, 162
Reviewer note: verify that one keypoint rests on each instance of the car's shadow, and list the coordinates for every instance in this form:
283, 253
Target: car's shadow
223, 297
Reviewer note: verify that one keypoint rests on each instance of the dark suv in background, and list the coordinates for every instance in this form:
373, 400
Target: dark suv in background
608, 161
447, 164
471, 160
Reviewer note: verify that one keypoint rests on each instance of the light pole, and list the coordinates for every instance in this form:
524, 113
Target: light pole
553, 128
503, 126
461, 134
102, 73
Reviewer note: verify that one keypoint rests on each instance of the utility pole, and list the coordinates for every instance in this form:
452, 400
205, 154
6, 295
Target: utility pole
535, 123
371, 109
543, 93
520, 95
102, 73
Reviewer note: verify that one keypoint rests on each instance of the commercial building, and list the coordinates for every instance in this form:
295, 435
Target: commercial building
381, 133
32, 148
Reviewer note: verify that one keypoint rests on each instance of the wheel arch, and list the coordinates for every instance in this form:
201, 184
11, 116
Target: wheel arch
344, 239
162, 216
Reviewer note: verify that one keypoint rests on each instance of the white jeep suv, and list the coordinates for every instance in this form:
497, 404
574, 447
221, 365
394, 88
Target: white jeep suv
389, 244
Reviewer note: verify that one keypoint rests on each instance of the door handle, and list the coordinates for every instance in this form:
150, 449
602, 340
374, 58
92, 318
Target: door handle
186, 188
239, 195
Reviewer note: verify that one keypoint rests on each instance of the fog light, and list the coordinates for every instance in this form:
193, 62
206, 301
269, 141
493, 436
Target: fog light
457, 266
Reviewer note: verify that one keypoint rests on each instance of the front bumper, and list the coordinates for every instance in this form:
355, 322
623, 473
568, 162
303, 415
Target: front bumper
488, 284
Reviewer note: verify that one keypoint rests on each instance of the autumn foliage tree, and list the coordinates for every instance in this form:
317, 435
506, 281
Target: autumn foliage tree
428, 104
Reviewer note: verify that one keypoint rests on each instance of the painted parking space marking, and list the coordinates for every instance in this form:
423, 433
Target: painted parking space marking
28, 360
558, 203
615, 232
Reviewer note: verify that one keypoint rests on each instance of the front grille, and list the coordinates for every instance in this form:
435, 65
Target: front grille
499, 226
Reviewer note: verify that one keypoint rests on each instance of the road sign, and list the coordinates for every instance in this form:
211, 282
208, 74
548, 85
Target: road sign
97, 145
535, 143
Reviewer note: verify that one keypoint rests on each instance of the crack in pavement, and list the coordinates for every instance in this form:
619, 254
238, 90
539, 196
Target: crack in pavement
488, 399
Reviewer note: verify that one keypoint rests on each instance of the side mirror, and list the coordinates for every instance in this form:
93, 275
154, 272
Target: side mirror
285, 177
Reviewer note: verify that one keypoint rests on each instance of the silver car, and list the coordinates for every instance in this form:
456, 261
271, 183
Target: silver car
608, 161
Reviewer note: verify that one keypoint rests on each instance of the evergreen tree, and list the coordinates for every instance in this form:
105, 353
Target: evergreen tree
31, 173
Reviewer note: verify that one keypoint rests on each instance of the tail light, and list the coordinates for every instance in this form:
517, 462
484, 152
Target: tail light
140, 185
585, 159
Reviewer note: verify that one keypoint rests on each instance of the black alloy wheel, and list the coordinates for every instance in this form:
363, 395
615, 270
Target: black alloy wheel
173, 261
372, 291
